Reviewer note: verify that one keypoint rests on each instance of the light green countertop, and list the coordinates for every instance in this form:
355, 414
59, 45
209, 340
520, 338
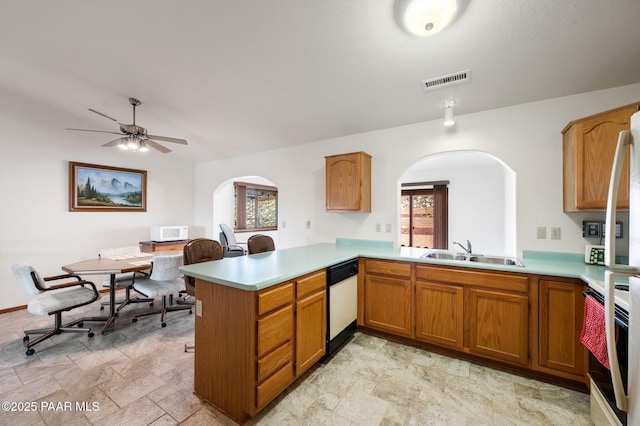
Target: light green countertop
259, 271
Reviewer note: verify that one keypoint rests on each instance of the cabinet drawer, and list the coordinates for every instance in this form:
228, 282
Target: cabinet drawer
274, 361
311, 283
388, 268
275, 298
274, 330
475, 278
275, 384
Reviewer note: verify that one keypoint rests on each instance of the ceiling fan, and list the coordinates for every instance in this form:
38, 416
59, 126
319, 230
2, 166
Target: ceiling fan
134, 137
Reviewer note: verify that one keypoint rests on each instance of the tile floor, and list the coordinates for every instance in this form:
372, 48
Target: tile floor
138, 374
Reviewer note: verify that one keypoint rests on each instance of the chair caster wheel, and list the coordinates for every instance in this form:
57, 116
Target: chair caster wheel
134, 320
102, 308
25, 339
151, 304
164, 324
116, 314
30, 352
80, 324
190, 312
91, 334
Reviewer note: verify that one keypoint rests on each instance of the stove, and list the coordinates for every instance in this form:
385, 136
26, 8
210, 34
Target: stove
621, 292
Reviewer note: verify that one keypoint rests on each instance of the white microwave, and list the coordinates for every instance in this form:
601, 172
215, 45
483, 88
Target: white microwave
169, 233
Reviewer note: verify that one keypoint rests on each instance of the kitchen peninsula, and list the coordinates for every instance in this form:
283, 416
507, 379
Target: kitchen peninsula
260, 318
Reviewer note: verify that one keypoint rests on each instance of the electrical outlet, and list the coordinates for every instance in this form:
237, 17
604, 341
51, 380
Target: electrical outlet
198, 308
388, 228
541, 232
378, 227
555, 233
591, 229
603, 228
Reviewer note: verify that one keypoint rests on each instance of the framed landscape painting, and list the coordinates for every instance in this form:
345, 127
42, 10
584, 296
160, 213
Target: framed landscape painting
94, 188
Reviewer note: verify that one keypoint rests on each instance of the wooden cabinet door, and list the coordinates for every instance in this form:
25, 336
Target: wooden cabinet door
498, 325
311, 330
439, 314
561, 311
348, 180
589, 146
387, 304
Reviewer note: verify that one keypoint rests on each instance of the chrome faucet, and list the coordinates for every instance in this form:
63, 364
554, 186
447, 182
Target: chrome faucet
468, 249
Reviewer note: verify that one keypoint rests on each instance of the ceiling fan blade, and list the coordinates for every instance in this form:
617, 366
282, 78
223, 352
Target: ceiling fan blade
113, 142
96, 131
157, 146
104, 115
167, 139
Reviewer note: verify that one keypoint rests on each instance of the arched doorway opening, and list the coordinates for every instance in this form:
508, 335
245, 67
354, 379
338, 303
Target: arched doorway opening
481, 198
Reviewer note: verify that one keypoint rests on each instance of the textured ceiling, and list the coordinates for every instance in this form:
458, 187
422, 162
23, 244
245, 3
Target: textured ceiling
237, 76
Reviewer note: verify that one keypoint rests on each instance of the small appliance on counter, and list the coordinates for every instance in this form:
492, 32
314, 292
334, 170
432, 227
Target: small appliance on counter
594, 255
169, 233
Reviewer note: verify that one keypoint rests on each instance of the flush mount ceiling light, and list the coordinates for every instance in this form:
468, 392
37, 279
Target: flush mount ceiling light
427, 17
448, 112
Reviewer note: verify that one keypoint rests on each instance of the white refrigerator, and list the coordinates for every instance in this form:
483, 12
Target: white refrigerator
629, 401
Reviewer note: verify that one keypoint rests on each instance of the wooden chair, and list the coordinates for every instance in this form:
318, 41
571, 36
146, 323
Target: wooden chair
53, 300
197, 251
260, 243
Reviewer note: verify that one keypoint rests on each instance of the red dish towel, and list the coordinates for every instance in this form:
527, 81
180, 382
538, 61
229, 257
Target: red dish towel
593, 335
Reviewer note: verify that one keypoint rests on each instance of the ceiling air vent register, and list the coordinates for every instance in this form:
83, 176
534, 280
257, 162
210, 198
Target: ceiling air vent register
446, 80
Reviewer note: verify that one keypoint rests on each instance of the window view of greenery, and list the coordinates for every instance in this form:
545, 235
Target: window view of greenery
256, 207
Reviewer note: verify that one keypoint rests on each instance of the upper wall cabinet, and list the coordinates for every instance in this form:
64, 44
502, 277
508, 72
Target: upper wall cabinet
349, 182
588, 148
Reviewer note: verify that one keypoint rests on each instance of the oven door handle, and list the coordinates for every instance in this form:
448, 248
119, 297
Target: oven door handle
622, 399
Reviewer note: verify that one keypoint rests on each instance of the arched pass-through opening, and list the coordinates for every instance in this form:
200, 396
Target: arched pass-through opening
481, 198
224, 208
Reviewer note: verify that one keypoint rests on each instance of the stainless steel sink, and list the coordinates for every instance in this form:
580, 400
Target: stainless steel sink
444, 255
477, 258
496, 260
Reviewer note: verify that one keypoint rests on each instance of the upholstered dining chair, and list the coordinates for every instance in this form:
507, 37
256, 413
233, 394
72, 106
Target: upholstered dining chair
260, 243
232, 247
197, 251
124, 280
164, 281
53, 299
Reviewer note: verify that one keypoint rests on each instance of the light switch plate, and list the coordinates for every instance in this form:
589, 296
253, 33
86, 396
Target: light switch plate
555, 233
198, 308
541, 232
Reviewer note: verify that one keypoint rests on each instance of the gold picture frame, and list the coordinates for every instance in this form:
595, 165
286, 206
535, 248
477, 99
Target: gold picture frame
95, 188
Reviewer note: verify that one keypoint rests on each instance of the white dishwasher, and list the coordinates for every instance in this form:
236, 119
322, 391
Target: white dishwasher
342, 303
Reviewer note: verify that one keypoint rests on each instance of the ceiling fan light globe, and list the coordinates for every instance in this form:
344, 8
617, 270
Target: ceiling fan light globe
143, 147
132, 144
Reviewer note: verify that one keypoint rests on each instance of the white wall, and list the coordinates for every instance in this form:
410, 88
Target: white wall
36, 226
525, 137
35, 223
